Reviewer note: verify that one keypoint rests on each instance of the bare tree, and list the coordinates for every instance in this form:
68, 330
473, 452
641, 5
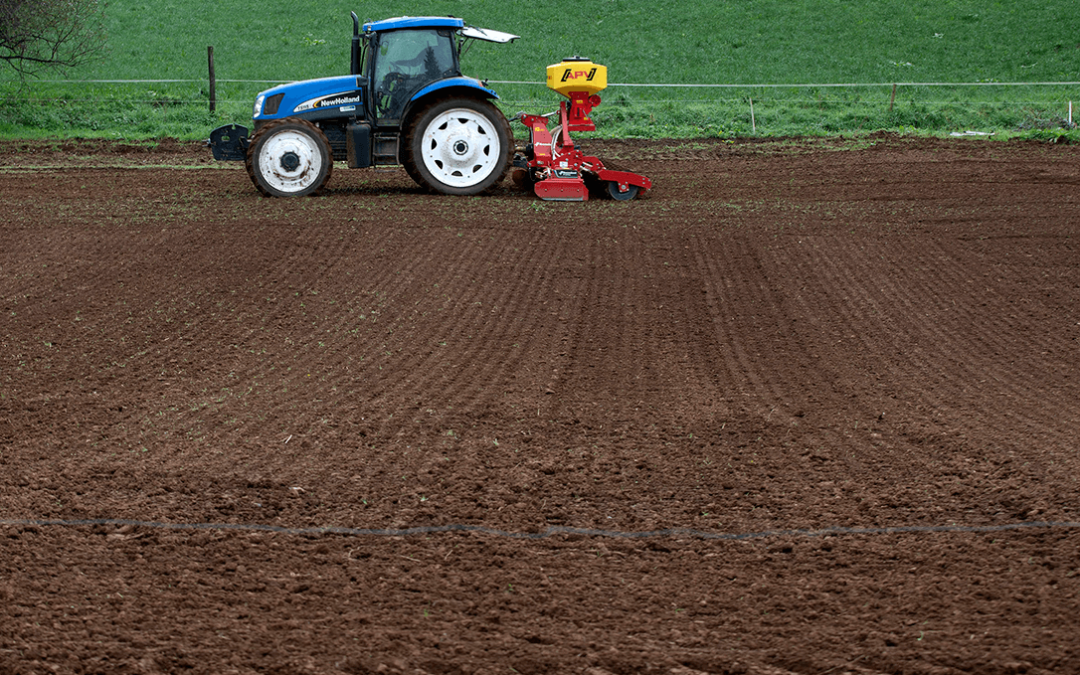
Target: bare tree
36, 35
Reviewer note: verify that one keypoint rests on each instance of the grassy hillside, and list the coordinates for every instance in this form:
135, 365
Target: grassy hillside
749, 42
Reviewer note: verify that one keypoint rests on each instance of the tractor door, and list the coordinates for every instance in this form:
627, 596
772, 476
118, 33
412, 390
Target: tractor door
406, 61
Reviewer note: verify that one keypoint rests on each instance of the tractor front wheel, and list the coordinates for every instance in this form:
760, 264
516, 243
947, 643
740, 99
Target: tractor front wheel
459, 146
289, 158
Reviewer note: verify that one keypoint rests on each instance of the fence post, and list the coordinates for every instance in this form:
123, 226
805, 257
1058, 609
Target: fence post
753, 122
213, 78
892, 99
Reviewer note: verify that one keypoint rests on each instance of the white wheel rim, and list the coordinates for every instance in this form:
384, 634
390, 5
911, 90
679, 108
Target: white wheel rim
461, 148
290, 161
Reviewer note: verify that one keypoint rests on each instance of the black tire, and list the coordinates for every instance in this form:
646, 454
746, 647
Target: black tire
458, 146
613, 191
289, 158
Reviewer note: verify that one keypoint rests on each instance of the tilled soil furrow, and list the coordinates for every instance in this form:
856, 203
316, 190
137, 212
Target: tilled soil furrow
741, 425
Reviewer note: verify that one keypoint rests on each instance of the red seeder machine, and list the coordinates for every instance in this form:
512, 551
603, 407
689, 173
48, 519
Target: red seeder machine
552, 163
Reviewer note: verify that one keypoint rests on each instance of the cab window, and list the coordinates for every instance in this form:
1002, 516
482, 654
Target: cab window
406, 61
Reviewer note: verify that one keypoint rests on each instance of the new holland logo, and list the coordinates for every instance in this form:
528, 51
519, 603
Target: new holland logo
575, 74
330, 102
342, 98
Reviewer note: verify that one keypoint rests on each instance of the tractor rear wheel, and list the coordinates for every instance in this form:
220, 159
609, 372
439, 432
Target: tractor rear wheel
459, 146
289, 158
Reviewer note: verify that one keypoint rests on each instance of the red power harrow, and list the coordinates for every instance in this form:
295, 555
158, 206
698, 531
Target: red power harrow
552, 162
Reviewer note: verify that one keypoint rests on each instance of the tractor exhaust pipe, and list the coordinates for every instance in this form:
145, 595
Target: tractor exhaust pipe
355, 44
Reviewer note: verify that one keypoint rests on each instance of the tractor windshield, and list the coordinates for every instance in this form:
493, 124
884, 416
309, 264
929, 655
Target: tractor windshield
406, 61
362, 65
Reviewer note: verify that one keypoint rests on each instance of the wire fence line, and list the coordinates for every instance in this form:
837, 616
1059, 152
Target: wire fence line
651, 101
173, 100
640, 84
794, 87
688, 108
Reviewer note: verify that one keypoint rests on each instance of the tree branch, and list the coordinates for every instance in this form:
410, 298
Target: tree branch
37, 35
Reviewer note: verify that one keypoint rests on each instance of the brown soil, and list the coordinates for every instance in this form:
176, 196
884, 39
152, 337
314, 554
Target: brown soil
878, 337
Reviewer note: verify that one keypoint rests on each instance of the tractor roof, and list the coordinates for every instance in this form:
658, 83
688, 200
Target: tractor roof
414, 22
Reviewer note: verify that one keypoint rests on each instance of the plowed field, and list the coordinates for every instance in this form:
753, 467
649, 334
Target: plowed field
808, 407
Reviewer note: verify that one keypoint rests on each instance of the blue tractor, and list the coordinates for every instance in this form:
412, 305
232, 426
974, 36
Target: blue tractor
404, 103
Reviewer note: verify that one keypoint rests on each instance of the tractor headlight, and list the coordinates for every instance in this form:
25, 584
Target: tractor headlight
258, 105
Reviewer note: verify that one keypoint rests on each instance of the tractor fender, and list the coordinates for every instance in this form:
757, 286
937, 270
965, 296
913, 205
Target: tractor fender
464, 87
470, 83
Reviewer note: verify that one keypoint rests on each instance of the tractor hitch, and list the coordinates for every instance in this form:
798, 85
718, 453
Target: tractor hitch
229, 143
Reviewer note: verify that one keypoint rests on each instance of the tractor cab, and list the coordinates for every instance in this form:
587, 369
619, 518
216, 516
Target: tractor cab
400, 57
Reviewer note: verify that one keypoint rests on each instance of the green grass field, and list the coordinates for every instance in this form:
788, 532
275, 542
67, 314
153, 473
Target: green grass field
661, 42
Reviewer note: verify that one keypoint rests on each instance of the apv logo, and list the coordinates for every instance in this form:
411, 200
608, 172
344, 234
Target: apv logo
577, 74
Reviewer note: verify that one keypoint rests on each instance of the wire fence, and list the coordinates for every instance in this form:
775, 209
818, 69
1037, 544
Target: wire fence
640, 84
709, 107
